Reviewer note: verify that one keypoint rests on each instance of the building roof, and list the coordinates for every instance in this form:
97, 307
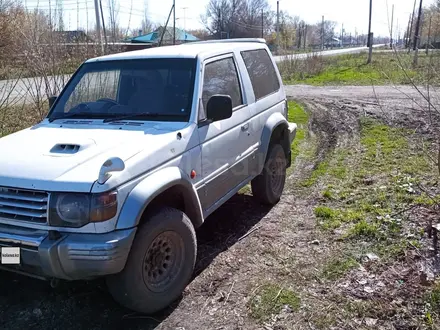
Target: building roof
191, 50
153, 37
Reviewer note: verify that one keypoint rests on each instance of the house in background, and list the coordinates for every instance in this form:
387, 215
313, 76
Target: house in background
154, 37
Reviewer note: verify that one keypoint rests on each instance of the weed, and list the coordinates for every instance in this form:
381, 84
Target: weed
336, 268
332, 218
270, 299
364, 229
327, 194
325, 212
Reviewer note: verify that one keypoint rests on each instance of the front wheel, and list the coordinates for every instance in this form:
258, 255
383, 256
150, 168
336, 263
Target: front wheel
269, 185
160, 263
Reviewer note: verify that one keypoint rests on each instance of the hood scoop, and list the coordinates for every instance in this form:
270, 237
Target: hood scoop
68, 149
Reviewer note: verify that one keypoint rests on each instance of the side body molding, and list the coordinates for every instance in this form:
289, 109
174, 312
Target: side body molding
276, 121
152, 186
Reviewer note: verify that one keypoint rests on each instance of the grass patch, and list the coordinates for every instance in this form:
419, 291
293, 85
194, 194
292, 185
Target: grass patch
338, 267
318, 172
432, 301
382, 182
15, 118
270, 299
351, 69
333, 218
298, 115
364, 229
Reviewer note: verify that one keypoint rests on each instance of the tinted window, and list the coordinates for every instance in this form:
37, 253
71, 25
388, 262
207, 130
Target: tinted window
147, 89
221, 78
262, 73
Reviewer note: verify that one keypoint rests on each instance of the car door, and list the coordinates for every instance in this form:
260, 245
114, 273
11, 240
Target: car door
268, 95
225, 144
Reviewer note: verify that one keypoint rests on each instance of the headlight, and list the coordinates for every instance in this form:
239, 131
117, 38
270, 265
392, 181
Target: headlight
76, 210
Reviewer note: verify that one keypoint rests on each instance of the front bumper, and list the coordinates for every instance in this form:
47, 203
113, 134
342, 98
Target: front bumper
68, 256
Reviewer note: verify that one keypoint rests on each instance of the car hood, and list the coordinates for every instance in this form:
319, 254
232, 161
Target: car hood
53, 157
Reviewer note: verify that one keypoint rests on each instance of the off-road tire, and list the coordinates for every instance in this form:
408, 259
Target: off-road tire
268, 187
133, 287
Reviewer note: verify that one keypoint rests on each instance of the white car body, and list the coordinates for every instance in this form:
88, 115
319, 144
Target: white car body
67, 155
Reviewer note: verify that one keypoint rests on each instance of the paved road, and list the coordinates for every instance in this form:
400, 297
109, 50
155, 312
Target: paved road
332, 52
31, 90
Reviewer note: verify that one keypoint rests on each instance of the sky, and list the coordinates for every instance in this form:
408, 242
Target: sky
353, 14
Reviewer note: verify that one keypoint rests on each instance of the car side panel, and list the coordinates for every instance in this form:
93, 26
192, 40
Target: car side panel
149, 188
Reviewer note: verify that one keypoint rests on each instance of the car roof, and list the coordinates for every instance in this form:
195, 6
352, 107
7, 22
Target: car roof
204, 49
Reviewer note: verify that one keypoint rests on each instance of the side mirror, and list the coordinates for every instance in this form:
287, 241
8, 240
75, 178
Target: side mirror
52, 100
219, 107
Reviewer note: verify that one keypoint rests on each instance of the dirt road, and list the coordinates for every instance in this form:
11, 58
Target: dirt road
284, 245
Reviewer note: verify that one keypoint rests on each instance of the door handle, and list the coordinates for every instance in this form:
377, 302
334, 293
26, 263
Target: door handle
245, 127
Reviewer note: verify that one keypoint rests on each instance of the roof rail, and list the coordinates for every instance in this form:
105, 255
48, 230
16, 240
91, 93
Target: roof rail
215, 41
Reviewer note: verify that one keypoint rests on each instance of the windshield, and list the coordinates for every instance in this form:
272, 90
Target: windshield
146, 89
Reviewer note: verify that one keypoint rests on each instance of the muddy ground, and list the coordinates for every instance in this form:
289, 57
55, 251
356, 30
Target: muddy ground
284, 245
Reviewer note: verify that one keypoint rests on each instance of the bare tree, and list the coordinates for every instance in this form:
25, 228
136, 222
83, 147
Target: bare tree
113, 7
147, 25
237, 18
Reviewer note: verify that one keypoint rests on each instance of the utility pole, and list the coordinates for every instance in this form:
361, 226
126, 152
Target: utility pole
322, 33
278, 24
408, 32
392, 25
305, 36
417, 35
412, 25
428, 43
262, 23
98, 26
174, 22
370, 39
417, 31
342, 36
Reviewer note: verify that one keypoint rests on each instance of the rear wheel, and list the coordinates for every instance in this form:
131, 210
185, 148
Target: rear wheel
269, 185
160, 263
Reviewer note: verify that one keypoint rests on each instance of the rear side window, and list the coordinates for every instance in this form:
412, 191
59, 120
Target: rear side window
221, 77
261, 71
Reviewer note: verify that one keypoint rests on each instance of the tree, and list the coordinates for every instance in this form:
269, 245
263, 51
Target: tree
237, 18
146, 25
113, 7
287, 30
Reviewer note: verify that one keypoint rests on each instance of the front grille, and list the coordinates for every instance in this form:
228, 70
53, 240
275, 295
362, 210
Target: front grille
24, 205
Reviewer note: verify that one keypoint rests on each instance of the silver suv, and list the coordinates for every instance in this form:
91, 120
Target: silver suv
136, 152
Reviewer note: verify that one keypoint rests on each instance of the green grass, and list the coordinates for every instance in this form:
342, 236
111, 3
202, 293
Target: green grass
352, 69
298, 115
333, 218
318, 172
364, 229
379, 183
270, 299
338, 267
432, 301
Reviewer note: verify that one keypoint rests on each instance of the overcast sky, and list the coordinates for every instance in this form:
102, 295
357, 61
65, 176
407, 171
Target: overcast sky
352, 13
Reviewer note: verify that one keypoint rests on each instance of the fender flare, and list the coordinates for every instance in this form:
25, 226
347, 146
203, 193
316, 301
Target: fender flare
152, 186
274, 122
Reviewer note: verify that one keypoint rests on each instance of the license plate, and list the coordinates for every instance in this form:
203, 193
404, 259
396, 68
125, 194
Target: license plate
10, 256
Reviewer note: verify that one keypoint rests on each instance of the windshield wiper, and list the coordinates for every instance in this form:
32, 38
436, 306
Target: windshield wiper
142, 114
